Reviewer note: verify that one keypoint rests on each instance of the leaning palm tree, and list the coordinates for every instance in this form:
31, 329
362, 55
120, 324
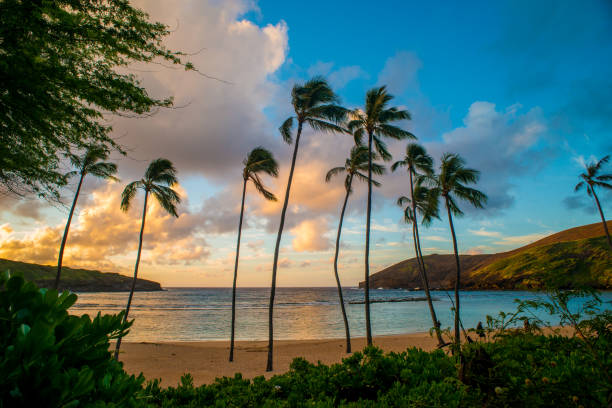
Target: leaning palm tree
157, 181
417, 160
592, 179
450, 184
354, 166
88, 163
258, 161
374, 122
316, 105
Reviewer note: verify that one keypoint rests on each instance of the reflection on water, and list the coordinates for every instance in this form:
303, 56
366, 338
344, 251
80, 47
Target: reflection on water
192, 314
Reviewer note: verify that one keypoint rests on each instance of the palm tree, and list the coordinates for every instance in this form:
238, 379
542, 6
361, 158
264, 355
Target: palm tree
314, 104
450, 184
353, 167
89, 163
415, 160
158, 180
591, 179
374, 121
258, 161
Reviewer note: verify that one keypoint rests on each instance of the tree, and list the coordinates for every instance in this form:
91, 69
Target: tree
450, 184
417, 160
374, 122
353, 167
89, 163
316, 105
58, 79
258, 161
159, 177
591, 179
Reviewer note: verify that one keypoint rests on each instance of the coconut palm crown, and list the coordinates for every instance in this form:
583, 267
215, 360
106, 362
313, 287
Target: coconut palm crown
158, 180
591, 179
451, 185
258, 161
374, 122
89, 163
314, 103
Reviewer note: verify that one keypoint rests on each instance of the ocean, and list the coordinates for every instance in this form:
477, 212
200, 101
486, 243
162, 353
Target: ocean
195, 314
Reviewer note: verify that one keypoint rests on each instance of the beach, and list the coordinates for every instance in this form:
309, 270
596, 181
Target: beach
207, 360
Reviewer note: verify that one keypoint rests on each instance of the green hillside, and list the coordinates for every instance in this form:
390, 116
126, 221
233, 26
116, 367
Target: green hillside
568, 264
77, 280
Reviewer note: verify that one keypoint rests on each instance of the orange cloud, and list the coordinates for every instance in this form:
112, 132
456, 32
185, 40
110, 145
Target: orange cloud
101, 233
309, 236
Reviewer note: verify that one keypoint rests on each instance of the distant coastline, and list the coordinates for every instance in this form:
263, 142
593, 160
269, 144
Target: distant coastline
78, 280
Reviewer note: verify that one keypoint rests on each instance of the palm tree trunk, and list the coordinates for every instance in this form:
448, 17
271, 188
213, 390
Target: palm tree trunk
231, 355
65, 237
269, 366
129, 302
346, 325
603, 219
421, 263
457, 279
367, 246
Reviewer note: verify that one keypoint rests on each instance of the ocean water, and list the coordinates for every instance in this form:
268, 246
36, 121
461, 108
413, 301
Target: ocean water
194, 314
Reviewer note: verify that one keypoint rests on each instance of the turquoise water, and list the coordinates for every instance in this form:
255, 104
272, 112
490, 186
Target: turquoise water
194, 314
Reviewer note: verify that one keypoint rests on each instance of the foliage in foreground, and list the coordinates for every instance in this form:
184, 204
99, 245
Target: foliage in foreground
50, 358
53, 359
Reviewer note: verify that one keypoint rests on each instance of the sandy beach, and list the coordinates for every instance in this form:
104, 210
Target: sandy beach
207, 360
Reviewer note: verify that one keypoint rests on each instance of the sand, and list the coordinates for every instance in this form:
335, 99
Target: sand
207, 360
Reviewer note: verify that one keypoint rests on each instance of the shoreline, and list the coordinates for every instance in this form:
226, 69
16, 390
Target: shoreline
207, 360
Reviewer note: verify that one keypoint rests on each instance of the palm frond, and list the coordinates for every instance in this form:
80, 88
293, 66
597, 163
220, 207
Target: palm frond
161, 171
262, 190
285, 130
333, 172
381, 148
323, 126
104, 170
398, 164
167, 198
128, 194
579, 186
393, 132
261, 160
329, 112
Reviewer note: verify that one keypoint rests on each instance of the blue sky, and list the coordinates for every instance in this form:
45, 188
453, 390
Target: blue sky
521, 89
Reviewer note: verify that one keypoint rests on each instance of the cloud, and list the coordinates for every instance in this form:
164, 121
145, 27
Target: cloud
520, 240
285, 263
400, 72
214, 121
501, 144
484, 233
101, 234
435, 238
338, 78
309, 235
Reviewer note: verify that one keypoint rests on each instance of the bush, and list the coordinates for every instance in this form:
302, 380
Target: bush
53, 359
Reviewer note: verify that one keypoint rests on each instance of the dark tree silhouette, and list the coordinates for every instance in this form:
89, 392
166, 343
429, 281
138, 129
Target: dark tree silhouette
314, 104
450, 184
591, 179
159, 177
417, 160
374, 122
88, 163
353, 167
258, 161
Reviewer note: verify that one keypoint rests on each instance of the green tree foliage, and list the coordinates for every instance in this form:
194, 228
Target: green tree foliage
88, 163
58, 77
50, 358
259, 161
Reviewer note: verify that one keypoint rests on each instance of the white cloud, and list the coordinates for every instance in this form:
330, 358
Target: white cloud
484, 233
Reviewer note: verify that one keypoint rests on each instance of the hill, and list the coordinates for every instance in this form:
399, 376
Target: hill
574, 256
77, 280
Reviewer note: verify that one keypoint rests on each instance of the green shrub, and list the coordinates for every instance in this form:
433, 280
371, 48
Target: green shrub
53, 359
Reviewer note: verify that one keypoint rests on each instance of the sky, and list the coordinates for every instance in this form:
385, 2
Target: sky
520, 89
